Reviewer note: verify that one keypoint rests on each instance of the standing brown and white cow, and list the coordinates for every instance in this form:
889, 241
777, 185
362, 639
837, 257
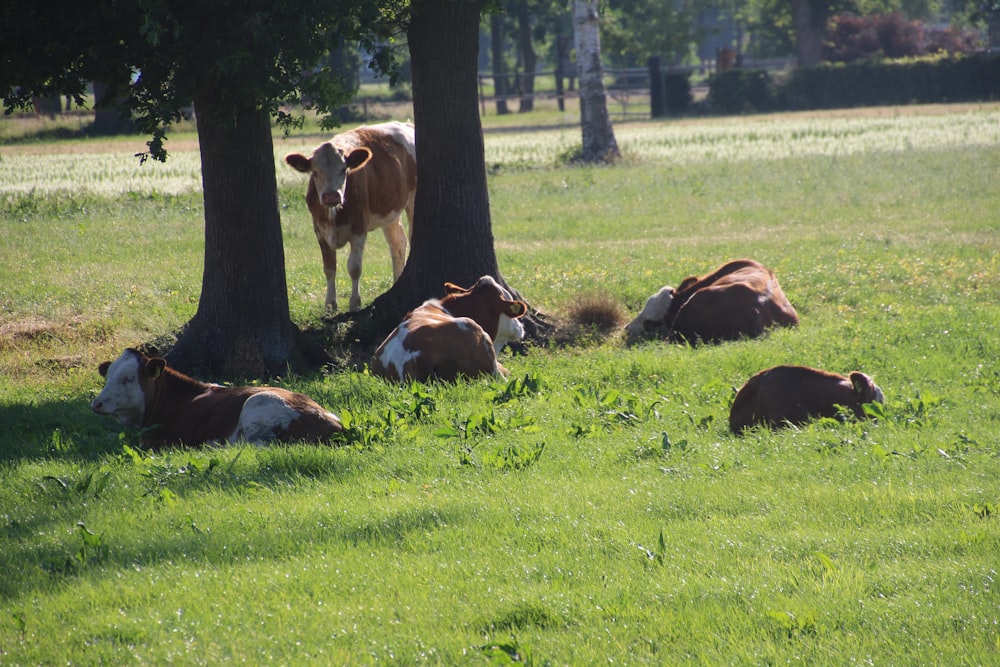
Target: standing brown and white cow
460, 334
170, 408
740, 299
360, 180
795, 394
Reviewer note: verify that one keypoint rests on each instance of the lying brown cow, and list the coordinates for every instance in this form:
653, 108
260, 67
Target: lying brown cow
359, 181
740, 299
794, 394
459, 334
170, 408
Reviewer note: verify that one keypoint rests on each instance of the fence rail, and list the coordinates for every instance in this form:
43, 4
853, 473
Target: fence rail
628, 88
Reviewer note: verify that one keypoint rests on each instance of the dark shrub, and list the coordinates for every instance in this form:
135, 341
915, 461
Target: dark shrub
677, 92
740, 91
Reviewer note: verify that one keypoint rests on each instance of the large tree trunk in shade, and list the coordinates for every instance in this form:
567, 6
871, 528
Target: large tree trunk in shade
242, 328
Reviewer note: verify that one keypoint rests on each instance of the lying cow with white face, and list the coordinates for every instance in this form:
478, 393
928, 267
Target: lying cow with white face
360, 180
795, 394
459, 334
740, 299
170, 408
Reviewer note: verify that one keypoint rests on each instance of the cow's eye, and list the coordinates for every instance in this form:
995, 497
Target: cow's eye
128, 378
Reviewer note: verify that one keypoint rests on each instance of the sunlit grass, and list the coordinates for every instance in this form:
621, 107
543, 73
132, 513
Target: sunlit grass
594, 510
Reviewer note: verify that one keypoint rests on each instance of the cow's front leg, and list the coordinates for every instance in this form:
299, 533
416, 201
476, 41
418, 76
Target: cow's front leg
395, 237
330, 269
354, 269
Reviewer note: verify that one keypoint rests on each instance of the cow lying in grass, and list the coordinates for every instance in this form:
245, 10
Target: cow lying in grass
795, 394
170, 408
460, 334
740, 299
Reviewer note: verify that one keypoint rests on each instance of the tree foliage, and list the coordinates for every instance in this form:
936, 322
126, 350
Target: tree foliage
156, 56
634, 30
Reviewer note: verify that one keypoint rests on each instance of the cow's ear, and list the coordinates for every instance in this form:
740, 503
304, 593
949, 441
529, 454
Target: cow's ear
686, 283
452, 288
516, 309
357, 158
103, 368
155, 366
863, 386
299, 162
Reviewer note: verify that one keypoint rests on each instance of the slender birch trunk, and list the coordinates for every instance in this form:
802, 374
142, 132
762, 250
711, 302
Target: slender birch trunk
599, 143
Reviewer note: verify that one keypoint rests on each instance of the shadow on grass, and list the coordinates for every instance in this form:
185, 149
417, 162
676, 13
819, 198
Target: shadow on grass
56, 431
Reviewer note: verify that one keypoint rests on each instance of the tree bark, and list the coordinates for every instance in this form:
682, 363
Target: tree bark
809, 28
529, 59
242, 328
108, 117
499, 64
599, 143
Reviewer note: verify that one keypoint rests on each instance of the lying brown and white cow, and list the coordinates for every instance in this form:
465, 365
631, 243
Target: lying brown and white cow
740, 299
460, 334
795, 394
171, 408
360, 180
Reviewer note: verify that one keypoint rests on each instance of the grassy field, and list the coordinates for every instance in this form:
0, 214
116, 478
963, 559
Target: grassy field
595, 509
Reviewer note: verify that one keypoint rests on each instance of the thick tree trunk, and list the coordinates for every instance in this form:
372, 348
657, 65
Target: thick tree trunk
452, 237
809, 29
499, 64
242, 328
599, 143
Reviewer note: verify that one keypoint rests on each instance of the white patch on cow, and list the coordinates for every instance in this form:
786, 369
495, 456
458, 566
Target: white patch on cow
262, 415
403, 134
655, 310
466, 324
394, 355
122, 396
383, 220
508, 331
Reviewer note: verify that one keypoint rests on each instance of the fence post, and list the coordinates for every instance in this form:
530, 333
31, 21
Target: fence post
657, 98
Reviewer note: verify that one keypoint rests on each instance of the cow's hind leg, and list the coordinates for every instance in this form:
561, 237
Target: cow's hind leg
263, 416
354, 269
395, 237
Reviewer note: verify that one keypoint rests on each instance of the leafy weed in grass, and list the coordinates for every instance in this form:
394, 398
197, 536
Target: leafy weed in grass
609, 409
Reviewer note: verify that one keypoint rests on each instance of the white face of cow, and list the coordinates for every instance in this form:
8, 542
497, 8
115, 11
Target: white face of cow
329, 167
508, 331
653, 313
122, 396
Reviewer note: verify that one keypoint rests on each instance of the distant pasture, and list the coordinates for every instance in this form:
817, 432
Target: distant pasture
114, 168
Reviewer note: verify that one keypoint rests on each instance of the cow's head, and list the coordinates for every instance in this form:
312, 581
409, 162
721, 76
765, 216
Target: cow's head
491, 306
653, 315
865, 389
329, 167
127, 379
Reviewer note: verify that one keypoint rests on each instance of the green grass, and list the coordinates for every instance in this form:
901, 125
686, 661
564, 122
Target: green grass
595, 509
